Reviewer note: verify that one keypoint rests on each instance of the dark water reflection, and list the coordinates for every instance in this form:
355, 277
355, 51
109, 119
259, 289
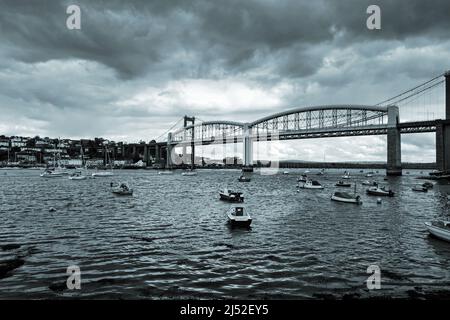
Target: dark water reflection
170, 240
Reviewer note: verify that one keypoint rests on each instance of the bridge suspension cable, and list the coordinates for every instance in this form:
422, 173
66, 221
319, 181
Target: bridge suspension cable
413, 91
171, 128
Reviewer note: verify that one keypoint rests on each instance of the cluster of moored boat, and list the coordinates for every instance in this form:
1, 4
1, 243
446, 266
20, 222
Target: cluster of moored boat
77, 175
237, 215
374, 189
438, 228
122, 188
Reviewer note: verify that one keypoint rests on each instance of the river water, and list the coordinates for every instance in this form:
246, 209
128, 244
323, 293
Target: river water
171, 240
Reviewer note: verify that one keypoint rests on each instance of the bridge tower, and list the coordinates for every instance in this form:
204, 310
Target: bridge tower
248, 148
169, 150
394, 154
443, 132
192, 121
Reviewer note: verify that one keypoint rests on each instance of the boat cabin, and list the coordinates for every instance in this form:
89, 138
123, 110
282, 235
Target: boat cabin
238, 212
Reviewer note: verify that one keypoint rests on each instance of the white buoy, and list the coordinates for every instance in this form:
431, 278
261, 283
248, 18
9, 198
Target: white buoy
379, 200
52, 209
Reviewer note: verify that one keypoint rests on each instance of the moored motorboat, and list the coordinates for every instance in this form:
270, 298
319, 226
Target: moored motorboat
427, 185
321, 172
52, 174
189, 173
439, 229
369, 174
77, 176
346, 197
377, 191
419, 189
341, 183
102, 174
286, 172
243, 178
165, 172
346, 175
231, 196
122, 189
239, 217
311, 184
369, 183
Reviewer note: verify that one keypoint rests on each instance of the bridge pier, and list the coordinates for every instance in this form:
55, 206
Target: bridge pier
169, 151
443, 145
394, 153
248, 148
443, 132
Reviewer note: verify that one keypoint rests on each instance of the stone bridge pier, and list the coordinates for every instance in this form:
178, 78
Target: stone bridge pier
394, 153
443, 133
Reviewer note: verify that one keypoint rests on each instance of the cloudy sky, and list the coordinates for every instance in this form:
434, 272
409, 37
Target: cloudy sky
136, 67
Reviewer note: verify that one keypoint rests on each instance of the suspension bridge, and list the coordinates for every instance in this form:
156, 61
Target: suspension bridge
424, 108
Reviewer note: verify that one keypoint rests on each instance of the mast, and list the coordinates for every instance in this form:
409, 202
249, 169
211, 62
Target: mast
82, 157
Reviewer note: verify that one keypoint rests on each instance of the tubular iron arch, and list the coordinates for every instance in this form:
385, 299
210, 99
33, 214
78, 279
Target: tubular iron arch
326, 118
208, 131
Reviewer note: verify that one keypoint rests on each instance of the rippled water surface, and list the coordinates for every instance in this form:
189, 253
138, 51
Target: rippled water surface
171, 240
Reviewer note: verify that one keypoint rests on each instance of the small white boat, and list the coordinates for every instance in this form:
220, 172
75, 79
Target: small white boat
122, 190
165, 172
77, 176
285, 172
231, 196
346, 176
440, 229
306, 172
243, 178
346, 197
343, 184
303, 178
311, 184
239, 217
377, 191
369, 183
419, 189
52, 174
369, 174
321, 172
102, 174
189, 173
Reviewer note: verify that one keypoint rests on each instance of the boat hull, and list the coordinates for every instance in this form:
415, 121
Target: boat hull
78, 178
123, 193
379, 193
438, 232
240, 223
48, 176
102, 174
228, 198
345, 200
189, 173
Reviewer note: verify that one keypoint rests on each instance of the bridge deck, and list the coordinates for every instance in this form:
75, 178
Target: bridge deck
405, 127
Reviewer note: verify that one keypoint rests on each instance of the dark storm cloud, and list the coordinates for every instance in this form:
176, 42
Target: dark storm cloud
208, 38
